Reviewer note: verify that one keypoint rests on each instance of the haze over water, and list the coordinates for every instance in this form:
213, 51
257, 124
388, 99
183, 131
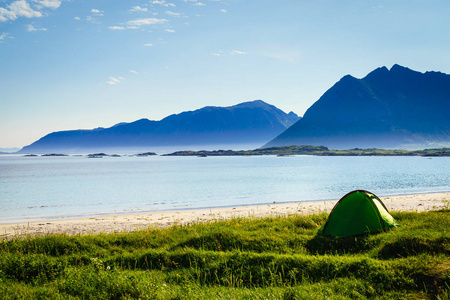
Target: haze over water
38, 188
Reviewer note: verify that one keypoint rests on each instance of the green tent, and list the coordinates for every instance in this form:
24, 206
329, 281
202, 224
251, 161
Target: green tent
358, 212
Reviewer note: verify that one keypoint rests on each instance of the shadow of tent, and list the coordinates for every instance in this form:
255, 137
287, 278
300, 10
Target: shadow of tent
322, 245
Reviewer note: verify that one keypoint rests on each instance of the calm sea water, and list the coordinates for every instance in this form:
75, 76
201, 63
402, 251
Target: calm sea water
34, 188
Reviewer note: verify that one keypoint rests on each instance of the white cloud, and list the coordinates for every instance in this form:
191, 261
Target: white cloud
116, 27
194, 2
138, 9
223, 10
233, 52
171, 13
147, 45
163, 3
147, 21
134, 72
5, 15
53, 4
114, 80
77, 18
169, 30
31, 28
97, 12
17, 9
228, 52
22, 8
3, 36
94, 13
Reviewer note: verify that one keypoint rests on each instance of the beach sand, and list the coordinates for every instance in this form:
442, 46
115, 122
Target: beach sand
135, 221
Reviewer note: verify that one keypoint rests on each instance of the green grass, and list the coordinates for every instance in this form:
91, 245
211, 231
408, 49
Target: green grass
242, 258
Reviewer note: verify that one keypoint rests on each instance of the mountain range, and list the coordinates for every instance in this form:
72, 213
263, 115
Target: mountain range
253, 122
389, 108
396, 108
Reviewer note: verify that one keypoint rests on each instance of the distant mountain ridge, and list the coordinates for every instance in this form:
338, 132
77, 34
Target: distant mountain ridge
249, 122
386, 109
8, 150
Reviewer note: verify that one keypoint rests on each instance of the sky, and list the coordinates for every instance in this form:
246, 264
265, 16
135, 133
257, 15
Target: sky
82, 64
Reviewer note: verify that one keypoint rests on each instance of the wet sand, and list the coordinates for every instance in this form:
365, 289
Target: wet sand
135, 221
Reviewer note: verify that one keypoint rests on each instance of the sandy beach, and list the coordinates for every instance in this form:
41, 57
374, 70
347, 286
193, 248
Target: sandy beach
135, 221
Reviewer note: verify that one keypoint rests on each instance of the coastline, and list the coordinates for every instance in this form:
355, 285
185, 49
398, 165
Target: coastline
127, 222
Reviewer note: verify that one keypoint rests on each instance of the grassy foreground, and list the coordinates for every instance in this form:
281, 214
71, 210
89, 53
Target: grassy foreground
243, 258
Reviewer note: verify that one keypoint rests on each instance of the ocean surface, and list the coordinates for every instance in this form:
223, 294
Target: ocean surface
43, 188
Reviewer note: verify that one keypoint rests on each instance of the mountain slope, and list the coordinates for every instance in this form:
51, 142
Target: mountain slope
249, 122
386, 109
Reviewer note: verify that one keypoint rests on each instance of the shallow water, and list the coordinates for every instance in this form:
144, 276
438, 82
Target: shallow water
34, 188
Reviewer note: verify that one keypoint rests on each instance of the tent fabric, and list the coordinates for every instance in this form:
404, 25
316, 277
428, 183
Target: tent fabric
358, 212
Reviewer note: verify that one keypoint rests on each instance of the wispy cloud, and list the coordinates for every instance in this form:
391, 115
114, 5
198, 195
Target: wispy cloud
115, 80
147, 21
116, 28
31, 28
232, 52
163, 3
3, 36
173, 14
134, 72
94, 14
17, 9
194, 2
237, 52
97, 12
224, 11
53, 4
138, 9
148, 45
169, 30
77, 18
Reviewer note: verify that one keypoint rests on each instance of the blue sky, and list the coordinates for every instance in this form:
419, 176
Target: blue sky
81, 64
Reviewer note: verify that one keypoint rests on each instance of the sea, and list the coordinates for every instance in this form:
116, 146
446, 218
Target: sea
49, 188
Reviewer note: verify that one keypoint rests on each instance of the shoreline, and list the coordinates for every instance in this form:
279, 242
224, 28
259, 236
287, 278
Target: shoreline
126, 222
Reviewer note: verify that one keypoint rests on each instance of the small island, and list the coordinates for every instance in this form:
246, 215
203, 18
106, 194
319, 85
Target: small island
101, 155
146, 154
314, 150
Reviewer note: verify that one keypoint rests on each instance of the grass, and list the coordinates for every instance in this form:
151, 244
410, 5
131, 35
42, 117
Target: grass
241, 258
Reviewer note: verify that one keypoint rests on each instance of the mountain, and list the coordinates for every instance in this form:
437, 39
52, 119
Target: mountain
8, 150
396, 108
254, 122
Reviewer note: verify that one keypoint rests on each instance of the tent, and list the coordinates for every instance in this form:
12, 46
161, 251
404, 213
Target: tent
358, 212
